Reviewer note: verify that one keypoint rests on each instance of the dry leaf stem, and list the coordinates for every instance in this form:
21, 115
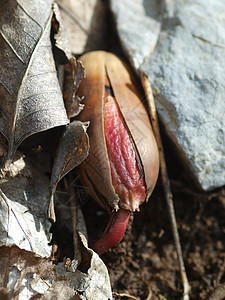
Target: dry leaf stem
166, 182
73, 203
51, 209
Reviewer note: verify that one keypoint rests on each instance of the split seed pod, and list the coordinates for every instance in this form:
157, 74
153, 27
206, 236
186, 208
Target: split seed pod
122, 167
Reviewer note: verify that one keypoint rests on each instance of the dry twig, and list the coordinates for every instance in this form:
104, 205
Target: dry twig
73, 203
124, 295
166, 182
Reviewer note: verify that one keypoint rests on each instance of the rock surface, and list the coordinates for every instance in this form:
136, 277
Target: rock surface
138, 25
186, 71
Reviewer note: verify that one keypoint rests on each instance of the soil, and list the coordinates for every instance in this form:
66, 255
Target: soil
145, 266
145, 263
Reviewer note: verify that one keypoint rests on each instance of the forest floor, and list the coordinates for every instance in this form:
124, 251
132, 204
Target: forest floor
144, 265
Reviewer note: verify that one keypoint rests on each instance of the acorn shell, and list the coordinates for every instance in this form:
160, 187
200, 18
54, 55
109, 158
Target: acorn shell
95, 171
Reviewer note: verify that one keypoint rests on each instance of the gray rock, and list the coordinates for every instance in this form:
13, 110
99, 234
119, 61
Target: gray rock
138, 25
187, 69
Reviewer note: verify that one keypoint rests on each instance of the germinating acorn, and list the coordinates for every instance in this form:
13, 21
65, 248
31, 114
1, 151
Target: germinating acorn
122, 167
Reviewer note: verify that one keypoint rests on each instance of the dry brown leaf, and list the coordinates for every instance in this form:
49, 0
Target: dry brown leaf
73, 74
84, 23
72, 150
26, 276
31, 99
23, 203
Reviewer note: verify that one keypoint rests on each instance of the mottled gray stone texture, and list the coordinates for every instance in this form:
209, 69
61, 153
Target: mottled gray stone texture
187, 72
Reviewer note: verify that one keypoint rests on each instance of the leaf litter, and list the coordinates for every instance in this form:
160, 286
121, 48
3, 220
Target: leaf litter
31, 100
37, 105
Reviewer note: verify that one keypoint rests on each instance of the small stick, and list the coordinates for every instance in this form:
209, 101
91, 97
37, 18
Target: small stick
124, 295
73, 203
166, 182
51, 209
149, 295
